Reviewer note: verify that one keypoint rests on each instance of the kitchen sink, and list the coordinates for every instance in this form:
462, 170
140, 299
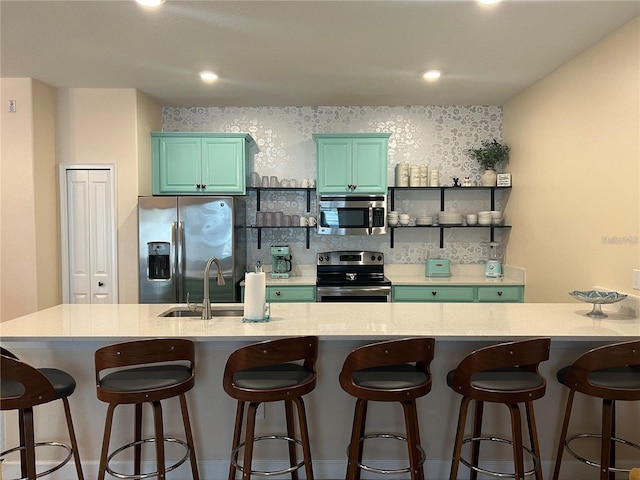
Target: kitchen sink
216, 311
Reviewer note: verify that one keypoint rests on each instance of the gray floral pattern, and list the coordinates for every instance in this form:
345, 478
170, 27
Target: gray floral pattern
437, 136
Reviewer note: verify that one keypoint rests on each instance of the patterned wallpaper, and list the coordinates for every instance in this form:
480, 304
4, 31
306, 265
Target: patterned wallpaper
436, 136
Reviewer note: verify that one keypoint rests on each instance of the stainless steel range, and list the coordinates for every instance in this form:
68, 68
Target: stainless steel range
352, 276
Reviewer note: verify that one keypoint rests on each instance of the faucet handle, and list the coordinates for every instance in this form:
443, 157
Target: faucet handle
191, 306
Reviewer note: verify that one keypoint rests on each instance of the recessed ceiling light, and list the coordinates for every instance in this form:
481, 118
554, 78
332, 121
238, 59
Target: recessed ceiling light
150, 3
208, 76
432, 74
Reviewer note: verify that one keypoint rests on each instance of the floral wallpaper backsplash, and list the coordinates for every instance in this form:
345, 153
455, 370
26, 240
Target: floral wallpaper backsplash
437, 136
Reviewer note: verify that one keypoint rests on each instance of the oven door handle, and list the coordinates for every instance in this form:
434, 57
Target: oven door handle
354, 291
370, 220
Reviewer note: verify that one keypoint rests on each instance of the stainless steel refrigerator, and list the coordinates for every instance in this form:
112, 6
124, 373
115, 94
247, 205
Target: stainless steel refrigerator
177, 235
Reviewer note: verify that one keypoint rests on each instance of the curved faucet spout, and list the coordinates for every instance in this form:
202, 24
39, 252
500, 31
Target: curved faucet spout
206, 303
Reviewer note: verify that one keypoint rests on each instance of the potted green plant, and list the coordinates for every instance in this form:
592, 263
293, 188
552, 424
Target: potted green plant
490, 155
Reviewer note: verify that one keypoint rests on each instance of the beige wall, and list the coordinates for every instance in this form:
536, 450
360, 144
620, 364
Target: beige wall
28, 225
106, 126
575, 138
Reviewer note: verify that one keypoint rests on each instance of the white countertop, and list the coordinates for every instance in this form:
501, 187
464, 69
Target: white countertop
329, 321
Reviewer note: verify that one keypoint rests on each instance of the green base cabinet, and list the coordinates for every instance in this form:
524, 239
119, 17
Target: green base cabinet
187, 163
426, 293
289, 294
351, 164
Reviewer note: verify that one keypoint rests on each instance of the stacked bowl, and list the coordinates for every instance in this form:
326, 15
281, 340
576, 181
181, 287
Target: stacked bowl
484, 218
392, 218
450, 218
424, 221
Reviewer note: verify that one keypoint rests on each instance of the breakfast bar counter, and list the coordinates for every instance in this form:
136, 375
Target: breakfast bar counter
458, 322
66, 336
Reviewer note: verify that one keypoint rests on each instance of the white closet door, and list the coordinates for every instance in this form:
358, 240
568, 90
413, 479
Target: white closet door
90, 236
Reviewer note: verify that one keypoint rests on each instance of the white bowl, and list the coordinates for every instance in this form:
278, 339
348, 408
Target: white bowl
404, 222
484, 221
496, 214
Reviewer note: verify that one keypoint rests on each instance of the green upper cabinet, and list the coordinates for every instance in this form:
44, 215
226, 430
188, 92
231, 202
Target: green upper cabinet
351, 163
199, 163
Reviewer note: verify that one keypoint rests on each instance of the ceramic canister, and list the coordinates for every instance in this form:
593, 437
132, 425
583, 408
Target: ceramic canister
402, 174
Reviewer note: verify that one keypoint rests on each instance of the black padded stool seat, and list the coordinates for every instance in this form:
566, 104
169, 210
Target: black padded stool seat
612, 373
505, 373
390, 371
271, 371
146, 372
23, 387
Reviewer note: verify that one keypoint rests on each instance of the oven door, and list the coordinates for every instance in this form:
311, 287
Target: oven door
376, 293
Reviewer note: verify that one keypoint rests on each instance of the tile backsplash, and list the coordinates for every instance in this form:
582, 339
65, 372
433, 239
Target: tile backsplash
437, 136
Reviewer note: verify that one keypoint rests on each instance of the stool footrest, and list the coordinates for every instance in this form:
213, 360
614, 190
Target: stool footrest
591, 463
150, 474
44, 444
493, 473
234, 456
381, 471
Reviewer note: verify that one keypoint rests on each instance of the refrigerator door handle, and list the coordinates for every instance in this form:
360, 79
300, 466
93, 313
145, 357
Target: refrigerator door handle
179, 242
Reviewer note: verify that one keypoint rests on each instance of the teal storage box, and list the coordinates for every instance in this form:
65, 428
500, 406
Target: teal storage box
438, 267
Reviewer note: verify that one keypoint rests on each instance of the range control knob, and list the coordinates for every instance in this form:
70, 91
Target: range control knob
373, 257
379, 258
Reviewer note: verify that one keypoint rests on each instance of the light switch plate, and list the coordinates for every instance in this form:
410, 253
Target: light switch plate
636, 279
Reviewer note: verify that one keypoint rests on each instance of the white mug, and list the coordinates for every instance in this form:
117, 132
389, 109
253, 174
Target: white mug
304, 183
472, 219
304, 221
312, 221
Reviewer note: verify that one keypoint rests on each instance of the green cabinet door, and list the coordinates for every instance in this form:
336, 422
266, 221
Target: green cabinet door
223, 165
352, 164
290, 294
177, 167
199, 163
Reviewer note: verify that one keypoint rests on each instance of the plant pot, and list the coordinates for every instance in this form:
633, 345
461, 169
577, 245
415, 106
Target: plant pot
489, 178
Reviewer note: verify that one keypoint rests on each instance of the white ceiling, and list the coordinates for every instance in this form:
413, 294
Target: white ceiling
297, 52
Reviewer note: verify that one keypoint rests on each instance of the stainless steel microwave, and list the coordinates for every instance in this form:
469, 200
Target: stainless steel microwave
352, 215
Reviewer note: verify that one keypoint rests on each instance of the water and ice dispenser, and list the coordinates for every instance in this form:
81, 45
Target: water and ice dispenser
158, 261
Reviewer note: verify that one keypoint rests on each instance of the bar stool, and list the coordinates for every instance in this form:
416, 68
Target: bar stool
22, 387
271, 371
390, 371
139, 372
505, 373
610, 372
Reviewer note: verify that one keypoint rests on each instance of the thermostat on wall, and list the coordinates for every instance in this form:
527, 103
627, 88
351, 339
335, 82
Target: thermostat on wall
504, 179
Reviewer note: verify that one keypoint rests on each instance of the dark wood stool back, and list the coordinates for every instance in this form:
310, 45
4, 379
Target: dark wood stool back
274, 370
610, 372
505, 373
146, 371
23, 387
389, 371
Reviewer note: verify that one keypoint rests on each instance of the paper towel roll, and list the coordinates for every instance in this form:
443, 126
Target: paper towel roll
254, 295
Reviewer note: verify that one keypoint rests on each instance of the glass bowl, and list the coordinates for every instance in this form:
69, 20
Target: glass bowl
597, 298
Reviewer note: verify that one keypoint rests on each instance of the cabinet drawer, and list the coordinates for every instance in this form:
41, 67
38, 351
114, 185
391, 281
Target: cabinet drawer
432, 294
301, 293
501, 294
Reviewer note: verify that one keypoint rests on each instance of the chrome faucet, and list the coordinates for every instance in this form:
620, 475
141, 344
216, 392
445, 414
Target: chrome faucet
206, 303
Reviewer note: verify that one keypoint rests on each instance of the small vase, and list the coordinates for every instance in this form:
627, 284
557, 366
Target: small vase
489, 178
